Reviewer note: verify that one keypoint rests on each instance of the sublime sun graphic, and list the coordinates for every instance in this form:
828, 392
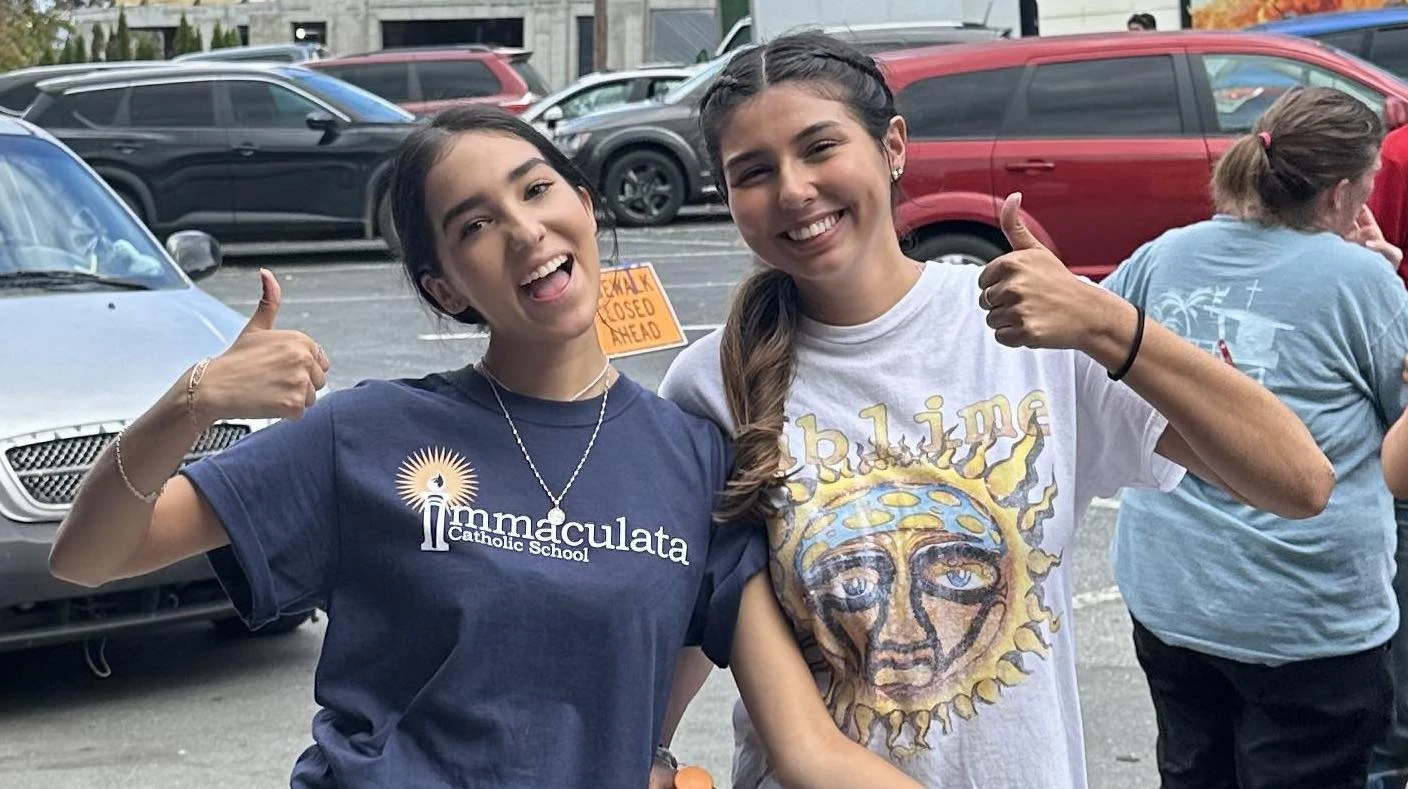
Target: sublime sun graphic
921, 583
437, 473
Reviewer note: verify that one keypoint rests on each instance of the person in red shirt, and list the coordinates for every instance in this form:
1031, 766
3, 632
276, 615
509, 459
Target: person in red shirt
1388, 220
1389, 201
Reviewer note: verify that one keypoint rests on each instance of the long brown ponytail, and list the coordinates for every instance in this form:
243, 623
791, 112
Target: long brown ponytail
757, 348
757, 354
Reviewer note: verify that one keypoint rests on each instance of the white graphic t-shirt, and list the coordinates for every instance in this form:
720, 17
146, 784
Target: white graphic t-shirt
924, 546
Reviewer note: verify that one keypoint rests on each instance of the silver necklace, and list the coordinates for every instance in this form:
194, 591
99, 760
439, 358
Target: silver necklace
555, 515
594, 382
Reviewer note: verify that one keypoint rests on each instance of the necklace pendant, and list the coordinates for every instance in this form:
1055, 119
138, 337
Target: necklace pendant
556, 516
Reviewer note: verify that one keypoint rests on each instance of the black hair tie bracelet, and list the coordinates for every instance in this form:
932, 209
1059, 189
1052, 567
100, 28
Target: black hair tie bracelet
1133, 348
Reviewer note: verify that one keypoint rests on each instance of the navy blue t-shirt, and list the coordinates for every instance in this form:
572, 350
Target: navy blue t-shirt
470, 642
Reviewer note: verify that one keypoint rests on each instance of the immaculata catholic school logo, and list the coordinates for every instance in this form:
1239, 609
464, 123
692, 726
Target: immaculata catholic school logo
435, 482
441, 486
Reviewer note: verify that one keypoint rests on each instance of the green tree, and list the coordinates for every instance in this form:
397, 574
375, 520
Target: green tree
182, 43
217, 37
196, 44
28, 31
123, 38
99, 45
80, 50
66, 54
146, 49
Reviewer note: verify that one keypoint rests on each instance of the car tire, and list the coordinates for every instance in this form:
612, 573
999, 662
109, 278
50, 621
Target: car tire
956, 248
234, 627
644, 188
386, 225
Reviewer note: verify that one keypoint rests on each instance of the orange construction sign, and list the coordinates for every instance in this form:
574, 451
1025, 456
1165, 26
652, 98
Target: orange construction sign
635, 314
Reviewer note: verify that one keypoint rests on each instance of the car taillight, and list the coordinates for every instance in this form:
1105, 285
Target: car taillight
520, 104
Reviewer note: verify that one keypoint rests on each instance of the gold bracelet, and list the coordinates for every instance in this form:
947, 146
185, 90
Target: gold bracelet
197, 373
148, 498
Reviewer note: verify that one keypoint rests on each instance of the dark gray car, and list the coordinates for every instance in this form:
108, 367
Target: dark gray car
648, 159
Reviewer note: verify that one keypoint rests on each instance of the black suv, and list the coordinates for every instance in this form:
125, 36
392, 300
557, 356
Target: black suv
18, 87
648, 158
244, 152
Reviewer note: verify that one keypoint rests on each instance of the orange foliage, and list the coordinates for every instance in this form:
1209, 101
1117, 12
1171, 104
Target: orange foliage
1237, 14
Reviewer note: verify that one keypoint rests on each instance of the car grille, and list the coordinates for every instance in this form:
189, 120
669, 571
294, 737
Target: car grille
50, 471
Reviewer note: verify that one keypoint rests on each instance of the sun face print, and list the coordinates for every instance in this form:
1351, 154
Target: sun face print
439, 472
921, 582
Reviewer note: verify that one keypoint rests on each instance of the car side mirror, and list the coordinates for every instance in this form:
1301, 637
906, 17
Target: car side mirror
552, 116
196, 252
318, 120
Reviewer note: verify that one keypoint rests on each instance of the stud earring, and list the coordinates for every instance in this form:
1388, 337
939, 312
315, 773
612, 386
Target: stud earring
896, 173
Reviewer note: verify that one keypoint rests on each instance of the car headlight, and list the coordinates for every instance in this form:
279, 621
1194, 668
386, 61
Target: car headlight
570, 144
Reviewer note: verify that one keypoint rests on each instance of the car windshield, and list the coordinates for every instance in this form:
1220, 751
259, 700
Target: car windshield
701, 79
348, 97
56, 216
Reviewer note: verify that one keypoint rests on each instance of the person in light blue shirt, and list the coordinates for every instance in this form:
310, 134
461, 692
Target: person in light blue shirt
1264, 639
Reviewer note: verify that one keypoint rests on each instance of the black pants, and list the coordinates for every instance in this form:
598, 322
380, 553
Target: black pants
1222, 724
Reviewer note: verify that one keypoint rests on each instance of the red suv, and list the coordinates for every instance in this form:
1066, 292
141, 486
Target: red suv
427, 80
1110, 138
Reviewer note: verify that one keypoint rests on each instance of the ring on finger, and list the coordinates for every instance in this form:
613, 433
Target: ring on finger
983, 300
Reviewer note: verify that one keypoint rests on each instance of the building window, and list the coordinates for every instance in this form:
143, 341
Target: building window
586, 48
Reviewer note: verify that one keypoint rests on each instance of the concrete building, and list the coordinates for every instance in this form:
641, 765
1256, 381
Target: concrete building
560, 32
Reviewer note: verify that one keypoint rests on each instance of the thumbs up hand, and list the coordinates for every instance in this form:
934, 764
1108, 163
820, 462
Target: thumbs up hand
267, 372
1031, 298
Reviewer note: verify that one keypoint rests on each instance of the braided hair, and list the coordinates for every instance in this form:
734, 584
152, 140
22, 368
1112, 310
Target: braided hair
756, 352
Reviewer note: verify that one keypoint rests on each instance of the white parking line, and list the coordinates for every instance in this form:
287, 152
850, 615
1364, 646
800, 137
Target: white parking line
712, 253
701, 285
292, 302
1087, 599
338, 268
292, 271
461, 335
325, 300
683, 242
480, 335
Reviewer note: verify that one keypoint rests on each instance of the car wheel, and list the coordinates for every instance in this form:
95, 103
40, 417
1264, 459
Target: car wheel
644, 189
956, 248
234, 627
386, 225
